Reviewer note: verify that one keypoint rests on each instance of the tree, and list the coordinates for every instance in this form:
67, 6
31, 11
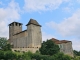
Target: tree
4, 45
10, 55
76, 53
1, 54
60, 56
3, 42
49, 48
27, 55
7, 47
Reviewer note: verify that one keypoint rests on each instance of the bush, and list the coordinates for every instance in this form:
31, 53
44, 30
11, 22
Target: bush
10, 55
60, 56
1, 54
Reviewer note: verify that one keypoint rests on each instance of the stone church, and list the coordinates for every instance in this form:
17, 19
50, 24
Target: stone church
27, 40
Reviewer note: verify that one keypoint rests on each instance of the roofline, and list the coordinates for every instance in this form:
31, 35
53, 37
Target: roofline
19, 32
60, 41
34, 24
15, 22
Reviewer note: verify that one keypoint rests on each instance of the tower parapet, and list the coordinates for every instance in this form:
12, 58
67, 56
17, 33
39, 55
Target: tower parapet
14, 28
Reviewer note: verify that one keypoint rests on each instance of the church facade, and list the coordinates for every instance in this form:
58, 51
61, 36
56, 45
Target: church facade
27, 40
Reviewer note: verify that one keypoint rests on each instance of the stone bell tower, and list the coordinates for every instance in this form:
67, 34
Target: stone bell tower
14, 28
34, 34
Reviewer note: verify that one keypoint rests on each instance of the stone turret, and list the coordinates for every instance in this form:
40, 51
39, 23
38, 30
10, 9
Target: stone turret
14, 28
34, 34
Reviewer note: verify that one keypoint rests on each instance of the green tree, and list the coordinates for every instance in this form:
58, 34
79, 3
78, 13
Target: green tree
1, 54
49, 48
27, 55
7, 47
10, 55
36, 56
4, 45
3, 42
76, 53
60, 56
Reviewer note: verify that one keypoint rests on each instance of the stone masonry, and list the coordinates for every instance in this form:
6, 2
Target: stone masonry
27, 40
65, 46
31, 38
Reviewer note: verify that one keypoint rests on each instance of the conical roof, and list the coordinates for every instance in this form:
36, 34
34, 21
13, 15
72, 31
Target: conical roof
34, 22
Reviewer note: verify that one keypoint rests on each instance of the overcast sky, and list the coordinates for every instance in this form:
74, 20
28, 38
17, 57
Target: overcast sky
60, 19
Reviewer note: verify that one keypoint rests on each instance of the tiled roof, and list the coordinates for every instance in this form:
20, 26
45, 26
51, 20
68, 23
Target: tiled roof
65, 41
59, 41
32, 21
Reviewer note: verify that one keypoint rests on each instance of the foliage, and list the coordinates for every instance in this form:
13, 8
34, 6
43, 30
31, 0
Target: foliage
76, 53
61, 56
49, 48
26, 57
4, 45
7, 47
36, 56
29, 56
40, 57
58, 56
10, 55
1, 54
3, 42
48, 51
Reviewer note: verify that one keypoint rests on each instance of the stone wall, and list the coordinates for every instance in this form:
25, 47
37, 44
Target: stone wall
20, 42
66, 48
33, 50
34, 35
19, 35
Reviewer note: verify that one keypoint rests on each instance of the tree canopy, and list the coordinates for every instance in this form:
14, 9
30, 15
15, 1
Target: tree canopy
76, 53
49, 48
3, 42
4, 45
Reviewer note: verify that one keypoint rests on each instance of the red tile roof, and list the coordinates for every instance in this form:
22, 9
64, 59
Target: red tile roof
59, 41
